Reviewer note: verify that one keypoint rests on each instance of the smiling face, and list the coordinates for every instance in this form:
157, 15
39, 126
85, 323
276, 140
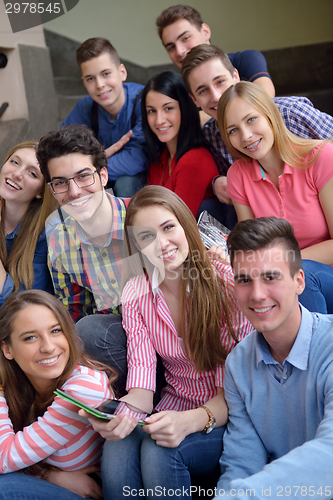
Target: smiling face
38, 345
103, 80
81, 203
160, 237
208, 81
249, 131
267, 293
181, 36
164, 117
20, 178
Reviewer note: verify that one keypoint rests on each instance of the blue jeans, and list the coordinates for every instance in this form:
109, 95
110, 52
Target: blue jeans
318, 293
105, 340
226, 214
127, 185
137, 462
18, 486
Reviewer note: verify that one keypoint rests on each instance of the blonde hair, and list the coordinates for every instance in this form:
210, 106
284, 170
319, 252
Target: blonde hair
19, 263
291, 149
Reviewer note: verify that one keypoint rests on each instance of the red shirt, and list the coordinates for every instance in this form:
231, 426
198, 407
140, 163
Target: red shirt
191, 178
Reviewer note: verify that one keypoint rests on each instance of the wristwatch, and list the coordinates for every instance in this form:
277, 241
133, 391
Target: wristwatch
211, 422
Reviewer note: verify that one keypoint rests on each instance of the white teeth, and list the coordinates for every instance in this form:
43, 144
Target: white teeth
167, 255
47, 361
12, 184
164, 128
264, 309
78, 203
253, 145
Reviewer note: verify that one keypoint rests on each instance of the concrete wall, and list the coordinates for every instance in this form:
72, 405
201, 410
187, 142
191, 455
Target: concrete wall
26, 83
236, 24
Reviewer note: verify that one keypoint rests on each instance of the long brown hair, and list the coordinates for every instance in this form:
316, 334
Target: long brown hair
291, 149
19, 263
205, 301
24, 403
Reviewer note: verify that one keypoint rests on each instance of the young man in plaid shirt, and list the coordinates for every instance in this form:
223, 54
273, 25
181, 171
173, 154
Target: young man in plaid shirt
85, 238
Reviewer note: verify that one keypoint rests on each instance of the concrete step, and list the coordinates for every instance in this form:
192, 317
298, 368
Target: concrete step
322, 100
69, 86
65, 105
11, 133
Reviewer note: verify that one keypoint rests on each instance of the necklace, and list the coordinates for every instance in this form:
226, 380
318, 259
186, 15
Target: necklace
169, 290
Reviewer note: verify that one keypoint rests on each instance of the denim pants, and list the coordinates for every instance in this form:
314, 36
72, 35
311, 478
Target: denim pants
137, 462
226, 214
318, 293
18, 486
105, 340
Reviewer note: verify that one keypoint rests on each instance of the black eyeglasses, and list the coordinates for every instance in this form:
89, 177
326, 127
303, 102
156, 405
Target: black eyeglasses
82, 180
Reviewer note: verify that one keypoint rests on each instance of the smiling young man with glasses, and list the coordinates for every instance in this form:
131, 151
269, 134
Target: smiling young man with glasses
85, 238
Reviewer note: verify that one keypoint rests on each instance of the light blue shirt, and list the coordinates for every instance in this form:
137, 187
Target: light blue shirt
279, 438
297, 357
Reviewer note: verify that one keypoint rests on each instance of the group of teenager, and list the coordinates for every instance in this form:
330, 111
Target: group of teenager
245, 393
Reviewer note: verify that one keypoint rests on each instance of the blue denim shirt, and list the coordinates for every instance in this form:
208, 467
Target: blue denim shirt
42, 277
133, 157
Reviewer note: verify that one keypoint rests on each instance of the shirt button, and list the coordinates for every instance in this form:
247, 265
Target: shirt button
4, 468
113, 281
284, 376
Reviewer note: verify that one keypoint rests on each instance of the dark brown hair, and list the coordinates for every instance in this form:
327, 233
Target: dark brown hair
205, 300
175, 12
94, 47
265, 232
24, 403
67, 140
201, 54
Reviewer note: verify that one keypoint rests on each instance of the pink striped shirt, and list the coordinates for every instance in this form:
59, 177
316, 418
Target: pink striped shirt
63, 437
150, 329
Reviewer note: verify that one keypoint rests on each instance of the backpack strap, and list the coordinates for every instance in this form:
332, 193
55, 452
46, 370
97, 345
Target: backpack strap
94, 118
94, 114
133, 116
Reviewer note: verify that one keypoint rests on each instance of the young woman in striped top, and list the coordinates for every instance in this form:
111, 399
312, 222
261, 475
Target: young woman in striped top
182, 307
41, 434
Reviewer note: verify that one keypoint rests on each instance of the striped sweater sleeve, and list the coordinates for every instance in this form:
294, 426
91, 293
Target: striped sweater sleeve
60, 426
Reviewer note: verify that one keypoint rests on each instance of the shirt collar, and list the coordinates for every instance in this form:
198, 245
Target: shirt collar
299, 353
156, 280
11, 236
258, 172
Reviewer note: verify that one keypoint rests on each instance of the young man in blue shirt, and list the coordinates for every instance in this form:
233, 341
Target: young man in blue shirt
113, 111
180, 27
279, 380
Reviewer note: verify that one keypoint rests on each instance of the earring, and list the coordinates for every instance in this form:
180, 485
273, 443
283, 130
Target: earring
38, 196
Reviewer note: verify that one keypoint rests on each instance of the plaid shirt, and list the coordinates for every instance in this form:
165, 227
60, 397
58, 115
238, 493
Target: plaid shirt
299, 115
86, 277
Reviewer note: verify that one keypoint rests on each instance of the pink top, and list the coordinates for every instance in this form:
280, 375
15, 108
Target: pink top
150, 329
191, 178
68, 440
298, 198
